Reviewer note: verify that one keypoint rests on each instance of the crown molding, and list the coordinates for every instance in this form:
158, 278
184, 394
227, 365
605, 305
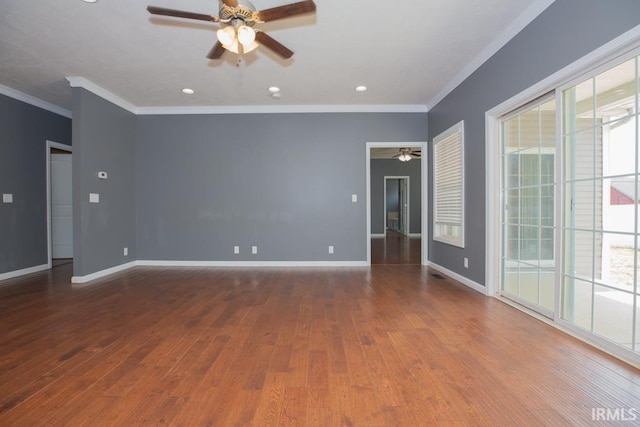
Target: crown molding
36, 102
524, 19
101, 92
280, 109
241, 109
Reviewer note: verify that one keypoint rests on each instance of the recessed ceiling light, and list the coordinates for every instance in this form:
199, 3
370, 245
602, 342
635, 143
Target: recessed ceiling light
361, 88
188, 91
274, 89
90, 1
275, 95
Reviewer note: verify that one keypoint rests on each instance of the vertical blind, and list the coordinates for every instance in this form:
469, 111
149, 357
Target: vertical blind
449, 185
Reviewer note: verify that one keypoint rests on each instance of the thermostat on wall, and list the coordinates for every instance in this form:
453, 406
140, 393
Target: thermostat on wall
102, 175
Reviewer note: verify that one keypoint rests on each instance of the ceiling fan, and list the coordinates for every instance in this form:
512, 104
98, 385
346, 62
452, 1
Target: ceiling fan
407, 154
238, 17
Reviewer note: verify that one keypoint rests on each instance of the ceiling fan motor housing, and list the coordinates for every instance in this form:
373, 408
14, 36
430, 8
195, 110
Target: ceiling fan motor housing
245, 11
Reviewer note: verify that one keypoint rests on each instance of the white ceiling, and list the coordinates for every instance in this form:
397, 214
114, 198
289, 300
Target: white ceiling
409, 54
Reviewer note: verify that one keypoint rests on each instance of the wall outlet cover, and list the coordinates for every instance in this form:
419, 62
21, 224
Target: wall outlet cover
7, 198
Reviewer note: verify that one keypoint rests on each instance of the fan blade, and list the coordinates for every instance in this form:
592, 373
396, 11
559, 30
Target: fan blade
230, 3
287, 10
181, 14
216, 51
277, 47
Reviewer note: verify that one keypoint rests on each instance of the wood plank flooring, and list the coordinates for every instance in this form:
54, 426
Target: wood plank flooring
380, 346
396, 248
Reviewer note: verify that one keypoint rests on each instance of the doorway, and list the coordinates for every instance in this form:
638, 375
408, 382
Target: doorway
394, 240
59, 203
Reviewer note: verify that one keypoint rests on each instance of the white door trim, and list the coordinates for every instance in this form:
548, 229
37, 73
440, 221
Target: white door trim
424, 193
49, 146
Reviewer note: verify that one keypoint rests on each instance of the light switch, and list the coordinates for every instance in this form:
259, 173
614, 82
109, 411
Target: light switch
354, 198
254, 250
7, 198
94, 198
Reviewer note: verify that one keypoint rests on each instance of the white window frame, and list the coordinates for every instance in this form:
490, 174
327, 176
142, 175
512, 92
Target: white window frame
438, 235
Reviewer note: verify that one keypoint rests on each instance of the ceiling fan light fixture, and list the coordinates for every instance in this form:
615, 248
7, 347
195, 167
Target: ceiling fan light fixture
232, 47
248, 47
226, 36
404, 157
246, 35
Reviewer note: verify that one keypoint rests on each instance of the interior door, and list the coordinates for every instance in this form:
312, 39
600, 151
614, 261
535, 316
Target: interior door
61, 208
404, 207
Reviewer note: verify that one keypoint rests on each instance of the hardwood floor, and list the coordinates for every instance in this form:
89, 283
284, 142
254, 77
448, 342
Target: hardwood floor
389, 345
396, 248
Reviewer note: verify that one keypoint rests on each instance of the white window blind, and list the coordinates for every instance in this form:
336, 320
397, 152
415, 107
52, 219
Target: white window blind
448, 160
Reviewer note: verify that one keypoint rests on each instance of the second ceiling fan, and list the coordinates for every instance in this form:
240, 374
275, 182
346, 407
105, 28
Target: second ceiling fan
238, 17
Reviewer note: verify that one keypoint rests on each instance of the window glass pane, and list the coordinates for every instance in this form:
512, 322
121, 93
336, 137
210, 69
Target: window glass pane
512, 246
530, 128
547, 243
619, 261
579, 204
619, 208
579, 261
512, 170
548, 124
547, 169
530, 206
510, 277
529, 284
613, 315
578, 107
511, 134
576, 302
621, 147
529, 243
547, 289
615, 91
547, 206
583, 155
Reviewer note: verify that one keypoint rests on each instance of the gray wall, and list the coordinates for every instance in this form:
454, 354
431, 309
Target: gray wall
387, 167
562, 34
282, 182
103, 140
23, 224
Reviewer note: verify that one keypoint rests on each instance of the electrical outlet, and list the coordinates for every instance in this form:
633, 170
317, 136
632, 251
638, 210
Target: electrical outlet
466, 262
330, 249
236, 250
126, 252
254, 250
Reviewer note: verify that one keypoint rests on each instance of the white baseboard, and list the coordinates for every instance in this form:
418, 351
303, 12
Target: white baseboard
102, 273
18, 273
455, 276
168, 263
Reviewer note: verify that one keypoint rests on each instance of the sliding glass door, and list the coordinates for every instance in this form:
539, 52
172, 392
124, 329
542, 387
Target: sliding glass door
600, 183
528, 194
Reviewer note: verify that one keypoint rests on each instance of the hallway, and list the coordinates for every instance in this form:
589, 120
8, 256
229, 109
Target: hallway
396, 248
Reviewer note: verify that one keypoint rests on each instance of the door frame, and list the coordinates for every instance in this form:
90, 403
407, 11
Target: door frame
49, 146
424, 180
408, 211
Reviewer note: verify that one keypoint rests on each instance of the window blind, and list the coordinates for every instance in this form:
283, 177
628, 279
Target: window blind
448, 155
